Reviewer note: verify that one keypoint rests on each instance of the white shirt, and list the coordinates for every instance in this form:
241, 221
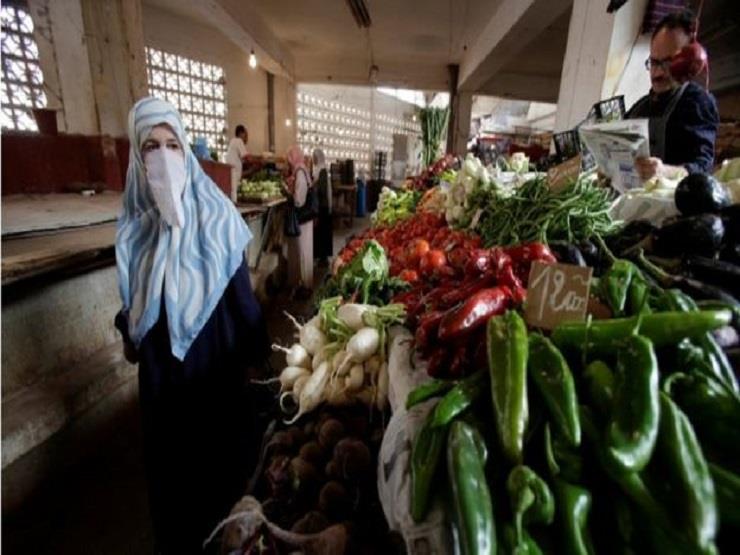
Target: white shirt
237, 150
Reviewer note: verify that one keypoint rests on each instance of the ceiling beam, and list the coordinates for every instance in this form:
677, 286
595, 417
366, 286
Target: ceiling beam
240, 21
513, 25
520, 86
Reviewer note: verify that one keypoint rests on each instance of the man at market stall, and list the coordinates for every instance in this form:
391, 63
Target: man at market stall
235, 154
192, 323
683, 115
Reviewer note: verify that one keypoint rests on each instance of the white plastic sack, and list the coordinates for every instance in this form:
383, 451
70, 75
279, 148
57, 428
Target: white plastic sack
432, 536
641, 205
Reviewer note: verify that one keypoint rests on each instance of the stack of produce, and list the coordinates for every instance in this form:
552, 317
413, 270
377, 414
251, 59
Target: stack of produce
431, 176
340, 359
697, 251
610, 436
472, 175
394, 206
318, 475
259, 190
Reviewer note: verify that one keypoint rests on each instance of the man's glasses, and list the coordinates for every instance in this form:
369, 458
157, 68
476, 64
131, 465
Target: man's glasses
663, 64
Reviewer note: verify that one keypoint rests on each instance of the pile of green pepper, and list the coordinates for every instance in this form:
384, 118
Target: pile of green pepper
608, 436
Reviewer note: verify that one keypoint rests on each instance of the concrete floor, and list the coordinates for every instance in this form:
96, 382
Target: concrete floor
101, 504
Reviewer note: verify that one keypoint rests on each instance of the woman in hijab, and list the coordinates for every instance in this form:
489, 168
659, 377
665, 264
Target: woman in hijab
323, 244
191, 321
300, 249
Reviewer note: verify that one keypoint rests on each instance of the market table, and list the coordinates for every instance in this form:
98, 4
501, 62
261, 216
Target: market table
349, 192
249, 209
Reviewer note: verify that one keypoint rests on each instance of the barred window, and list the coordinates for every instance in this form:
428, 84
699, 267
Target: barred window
197, 89
23, 82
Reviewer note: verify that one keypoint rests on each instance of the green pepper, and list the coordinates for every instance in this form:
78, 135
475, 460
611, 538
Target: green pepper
615, 285
633, 428
507, 361
600, 380
637, 296
524, 545
712, 411
471, 497
459, 398
714, 357
562, 458
427, 390
574, 505
554, 380
425, 456
727, 488
531, 499
682, 474
662, 328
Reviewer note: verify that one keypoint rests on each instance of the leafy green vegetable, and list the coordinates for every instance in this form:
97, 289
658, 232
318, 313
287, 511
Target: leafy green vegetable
433, 126
365, 279
395, 206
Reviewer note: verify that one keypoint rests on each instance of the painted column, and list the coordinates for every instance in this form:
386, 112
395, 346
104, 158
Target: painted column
604, 57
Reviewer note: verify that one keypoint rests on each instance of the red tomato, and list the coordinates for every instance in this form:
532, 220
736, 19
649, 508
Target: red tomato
409, 276
418, 249
458, 257
431, 261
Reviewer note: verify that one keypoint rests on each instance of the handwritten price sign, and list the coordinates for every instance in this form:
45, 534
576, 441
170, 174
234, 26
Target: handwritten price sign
556, 293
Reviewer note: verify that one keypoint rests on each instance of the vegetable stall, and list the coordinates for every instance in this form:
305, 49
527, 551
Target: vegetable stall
486, 432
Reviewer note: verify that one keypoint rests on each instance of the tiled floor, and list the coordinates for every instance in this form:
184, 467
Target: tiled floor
101, 505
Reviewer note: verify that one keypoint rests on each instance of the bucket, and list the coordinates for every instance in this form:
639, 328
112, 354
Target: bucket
46, 120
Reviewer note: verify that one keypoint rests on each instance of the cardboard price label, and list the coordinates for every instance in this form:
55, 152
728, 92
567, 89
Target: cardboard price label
559, 176
556, 293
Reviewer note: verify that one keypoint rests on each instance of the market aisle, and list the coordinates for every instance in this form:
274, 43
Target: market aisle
101, 506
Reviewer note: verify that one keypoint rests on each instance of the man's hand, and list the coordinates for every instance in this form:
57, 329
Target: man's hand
647, 168
129, 351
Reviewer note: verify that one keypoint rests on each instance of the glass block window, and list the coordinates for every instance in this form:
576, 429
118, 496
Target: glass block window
197, 89
23, 82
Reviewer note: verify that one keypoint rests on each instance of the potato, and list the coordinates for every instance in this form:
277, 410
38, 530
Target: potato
330, 433
334, 500
281, 443
311, 523
313, 453
353, 459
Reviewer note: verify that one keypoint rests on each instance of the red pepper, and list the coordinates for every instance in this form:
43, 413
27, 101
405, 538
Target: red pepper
505, 276
438, 362
428, 329
479, 262
464, 291
474, 312
524, 255
459, 361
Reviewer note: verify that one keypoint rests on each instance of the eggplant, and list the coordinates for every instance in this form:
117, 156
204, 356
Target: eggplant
692, 235
730, 253
630, 235
567, 253
698, 193
731, 219
716, 272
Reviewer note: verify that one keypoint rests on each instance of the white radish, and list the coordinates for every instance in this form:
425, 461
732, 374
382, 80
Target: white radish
365, 396
310, 335
355, 379
299, 385
321, 356
313, 392
287, 377
381, 394
337, 361
372, 365
336, 396
353, 314
360, 347
295, 356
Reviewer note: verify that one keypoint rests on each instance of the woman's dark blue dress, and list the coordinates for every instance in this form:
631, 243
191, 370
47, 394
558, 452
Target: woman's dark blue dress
199, 425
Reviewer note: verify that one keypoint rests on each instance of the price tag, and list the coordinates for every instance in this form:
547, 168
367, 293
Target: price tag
559, 176
556, 293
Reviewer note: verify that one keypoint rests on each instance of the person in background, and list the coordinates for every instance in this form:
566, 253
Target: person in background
193, 324
683, 116
300, 249
234, 155
323, 240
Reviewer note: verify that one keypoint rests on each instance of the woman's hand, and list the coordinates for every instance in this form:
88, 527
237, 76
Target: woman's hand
647, 168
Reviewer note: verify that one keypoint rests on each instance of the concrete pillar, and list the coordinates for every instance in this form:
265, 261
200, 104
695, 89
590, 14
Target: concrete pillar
115, 36
453, 70
460, 112
60, 36
603, 58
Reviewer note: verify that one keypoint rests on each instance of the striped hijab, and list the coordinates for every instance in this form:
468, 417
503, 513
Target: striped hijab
191, 265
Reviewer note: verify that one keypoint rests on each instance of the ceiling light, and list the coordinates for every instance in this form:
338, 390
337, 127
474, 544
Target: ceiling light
252, 59
288, 123
373, 75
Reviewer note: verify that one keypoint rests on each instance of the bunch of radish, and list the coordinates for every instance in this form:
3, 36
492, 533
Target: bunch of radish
340, 357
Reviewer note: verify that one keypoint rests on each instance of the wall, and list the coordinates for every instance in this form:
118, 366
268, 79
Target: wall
246, 88
285, 107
